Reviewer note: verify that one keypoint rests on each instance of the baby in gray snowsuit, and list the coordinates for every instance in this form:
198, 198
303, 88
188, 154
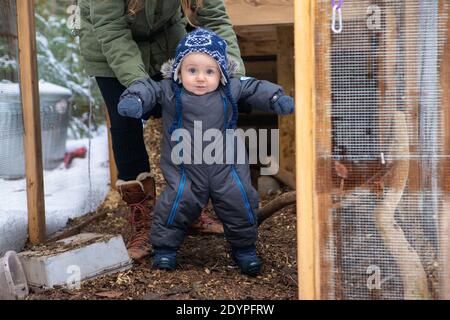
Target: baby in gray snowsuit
199, 96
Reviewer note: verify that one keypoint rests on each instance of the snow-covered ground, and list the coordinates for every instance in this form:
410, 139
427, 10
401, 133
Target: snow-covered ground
69, 193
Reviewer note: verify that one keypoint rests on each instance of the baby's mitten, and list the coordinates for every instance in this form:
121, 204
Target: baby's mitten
282, 104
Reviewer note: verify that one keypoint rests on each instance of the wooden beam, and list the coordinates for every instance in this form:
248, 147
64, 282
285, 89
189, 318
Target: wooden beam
113, 173
323, 152
286, 79
257, 40
305, 160
256, 33
412, 89
258, 48
31, 118
260, 12
444, 216
263, 69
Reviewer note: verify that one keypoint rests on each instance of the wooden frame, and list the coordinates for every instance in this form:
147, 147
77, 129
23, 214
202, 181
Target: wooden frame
444, 218
31, 117
113, 172
256, 12
308, 254
286, 79
312, 216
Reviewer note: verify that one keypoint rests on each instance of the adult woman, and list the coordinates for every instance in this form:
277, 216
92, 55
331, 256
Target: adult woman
126, 41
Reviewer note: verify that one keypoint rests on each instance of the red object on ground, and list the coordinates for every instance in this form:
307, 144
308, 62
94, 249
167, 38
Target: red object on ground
77, 153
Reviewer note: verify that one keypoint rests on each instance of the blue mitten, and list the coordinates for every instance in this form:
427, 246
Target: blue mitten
130, 106
136, 100
282, 104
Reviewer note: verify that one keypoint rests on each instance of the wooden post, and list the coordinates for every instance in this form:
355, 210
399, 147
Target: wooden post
323, 144
444, 183
31, 120
412, 89
285, 74
307, 254
112, 162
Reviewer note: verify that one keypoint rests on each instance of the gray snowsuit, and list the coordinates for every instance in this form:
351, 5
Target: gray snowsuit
190, 186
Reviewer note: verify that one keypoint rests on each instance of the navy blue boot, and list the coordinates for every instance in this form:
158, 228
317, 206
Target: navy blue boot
247, 260
165, 259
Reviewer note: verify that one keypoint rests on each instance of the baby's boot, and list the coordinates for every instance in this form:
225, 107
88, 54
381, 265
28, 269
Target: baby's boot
165, 259
247, 260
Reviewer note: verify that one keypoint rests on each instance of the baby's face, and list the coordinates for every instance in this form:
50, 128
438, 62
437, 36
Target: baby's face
200, 73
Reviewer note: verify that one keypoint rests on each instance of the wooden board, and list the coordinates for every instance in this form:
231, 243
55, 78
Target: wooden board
31, 118
257, 40
308, 271
280, 12
286, 79
262, 69
113, 173
256, 33
323, 150
412, 88
260, 12
444, 216
258, 48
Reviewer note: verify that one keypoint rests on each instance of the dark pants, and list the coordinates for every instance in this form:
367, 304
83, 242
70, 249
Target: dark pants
127, 133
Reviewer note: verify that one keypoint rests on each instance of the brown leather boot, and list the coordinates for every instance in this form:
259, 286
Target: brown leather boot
139, 194
206, 225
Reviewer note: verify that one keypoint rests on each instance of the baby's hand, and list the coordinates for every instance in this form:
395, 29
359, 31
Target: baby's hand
130, 106
282, 104
135, 101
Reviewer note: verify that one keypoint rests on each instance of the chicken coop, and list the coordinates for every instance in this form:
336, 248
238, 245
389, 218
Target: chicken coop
372, 83
369, 145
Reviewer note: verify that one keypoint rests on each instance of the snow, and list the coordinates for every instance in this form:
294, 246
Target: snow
69, 193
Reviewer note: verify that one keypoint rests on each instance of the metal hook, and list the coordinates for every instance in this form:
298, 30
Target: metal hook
336, 8
339, 5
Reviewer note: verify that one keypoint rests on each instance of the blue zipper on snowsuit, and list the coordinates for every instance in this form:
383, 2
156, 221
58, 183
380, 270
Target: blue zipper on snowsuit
225, 113
180, 190
173, 212
234, 172
244, 195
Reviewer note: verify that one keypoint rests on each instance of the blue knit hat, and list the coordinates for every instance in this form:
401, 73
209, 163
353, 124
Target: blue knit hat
203, 41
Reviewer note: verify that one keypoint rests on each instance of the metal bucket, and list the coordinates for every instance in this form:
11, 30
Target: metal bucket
54, 112
13, 282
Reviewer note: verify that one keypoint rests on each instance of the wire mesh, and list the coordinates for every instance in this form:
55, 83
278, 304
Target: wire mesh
8, 40
75, 167
386, 132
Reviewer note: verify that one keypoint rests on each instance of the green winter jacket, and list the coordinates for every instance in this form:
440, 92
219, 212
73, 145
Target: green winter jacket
114, 44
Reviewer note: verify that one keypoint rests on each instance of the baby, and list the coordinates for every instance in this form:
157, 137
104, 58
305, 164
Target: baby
200, 94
